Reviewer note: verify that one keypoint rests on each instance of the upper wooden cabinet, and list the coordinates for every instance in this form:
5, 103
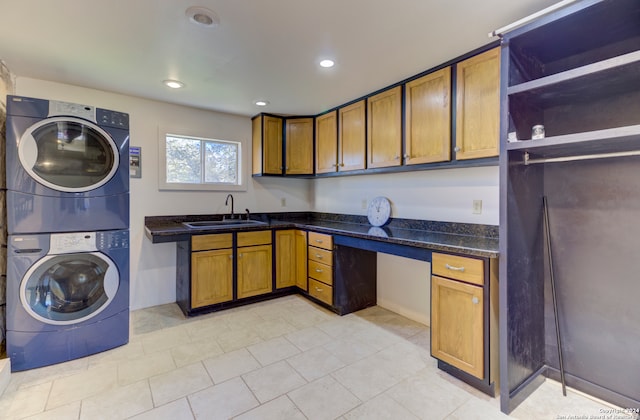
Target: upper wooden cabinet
327, 143
267, 145
478, 106
299, 146
256, 145
428, 118
384, 128
351, 137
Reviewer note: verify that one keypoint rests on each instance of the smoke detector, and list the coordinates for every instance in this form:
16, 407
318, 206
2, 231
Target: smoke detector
202, 16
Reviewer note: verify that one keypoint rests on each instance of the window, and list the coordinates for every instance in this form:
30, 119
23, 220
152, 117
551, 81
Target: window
195, 163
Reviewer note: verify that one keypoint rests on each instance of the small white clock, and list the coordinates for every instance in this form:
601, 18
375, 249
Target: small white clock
379, 211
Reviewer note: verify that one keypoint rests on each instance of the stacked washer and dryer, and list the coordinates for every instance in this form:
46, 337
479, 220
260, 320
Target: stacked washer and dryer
68, 223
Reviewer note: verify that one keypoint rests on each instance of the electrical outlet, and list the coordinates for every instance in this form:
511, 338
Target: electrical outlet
283, 202
363, 205
477, 207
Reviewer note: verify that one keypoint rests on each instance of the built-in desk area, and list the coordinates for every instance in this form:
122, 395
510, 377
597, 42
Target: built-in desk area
332, 260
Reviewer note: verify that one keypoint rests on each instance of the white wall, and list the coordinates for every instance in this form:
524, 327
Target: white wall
153, 265
442, 195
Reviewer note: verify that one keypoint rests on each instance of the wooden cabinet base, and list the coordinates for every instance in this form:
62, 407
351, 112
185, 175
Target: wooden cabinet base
479, 384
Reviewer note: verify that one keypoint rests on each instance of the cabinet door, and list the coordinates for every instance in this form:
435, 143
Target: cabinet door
384, 128
291, 258
256, 145
351, 137
301, 258
457, 324
211, 277
299, 146
327, 143
285, 258
254, 270
478, 106
272, 144
428, 118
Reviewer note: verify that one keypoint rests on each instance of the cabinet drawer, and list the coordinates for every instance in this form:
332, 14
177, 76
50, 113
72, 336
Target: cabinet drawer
320, 255
321, 291
260, 237
321, 240
321, 272
216, 241
466, 269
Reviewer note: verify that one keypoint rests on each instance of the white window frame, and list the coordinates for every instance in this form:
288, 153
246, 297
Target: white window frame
212, 186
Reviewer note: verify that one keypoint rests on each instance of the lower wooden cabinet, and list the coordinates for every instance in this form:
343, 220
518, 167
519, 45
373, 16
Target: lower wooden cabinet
211, 277
291, 258
211, 269
320, 254
464, 318
457, 324
254, 263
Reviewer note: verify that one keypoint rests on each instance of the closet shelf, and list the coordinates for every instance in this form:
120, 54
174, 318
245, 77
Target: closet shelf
611, 140
604, 78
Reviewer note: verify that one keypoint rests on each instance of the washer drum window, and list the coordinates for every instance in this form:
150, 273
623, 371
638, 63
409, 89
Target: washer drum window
70, 288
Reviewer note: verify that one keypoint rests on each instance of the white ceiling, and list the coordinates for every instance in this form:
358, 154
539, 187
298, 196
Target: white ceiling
262, 49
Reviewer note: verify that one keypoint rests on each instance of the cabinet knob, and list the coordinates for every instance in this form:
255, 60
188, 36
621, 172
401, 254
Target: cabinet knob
397, 157
318, 256
318, 270
475, 300
286, 167
451, 267
239, 255
342, 164
318, 289
457, 149
407, 156
319, 241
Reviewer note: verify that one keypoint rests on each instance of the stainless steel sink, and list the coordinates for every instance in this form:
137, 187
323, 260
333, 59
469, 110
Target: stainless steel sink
221, 224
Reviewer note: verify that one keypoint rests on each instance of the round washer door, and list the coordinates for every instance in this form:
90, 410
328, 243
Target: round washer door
69, 288
68, 154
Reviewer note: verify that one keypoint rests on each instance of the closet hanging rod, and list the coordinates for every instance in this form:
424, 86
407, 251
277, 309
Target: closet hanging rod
525, 20
529, 161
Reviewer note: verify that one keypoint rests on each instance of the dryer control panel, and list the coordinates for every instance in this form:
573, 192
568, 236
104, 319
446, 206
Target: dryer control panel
113, 239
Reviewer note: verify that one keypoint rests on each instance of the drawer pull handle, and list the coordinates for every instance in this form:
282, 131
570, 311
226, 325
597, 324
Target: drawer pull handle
319, 241
318, 256
318, 289
450, 267
475, 300
318, 270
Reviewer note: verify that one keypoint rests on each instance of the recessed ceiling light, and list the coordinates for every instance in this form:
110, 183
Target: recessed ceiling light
262, 103
173, 84
202, 16
327, 63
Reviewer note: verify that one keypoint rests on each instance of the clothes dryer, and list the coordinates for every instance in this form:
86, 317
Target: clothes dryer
67, 296
67, 167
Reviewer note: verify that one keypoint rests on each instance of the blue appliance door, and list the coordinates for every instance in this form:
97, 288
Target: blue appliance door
68, 154
69, 288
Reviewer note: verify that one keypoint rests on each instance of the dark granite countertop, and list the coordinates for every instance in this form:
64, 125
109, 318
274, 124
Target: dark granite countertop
463, 238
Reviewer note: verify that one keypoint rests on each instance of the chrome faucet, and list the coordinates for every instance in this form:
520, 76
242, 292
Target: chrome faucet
226, 203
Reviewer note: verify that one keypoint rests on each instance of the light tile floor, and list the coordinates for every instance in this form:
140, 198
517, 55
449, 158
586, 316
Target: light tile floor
281, 359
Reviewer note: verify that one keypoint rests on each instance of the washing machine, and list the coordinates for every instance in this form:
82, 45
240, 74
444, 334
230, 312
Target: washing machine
67, 167
67, 296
